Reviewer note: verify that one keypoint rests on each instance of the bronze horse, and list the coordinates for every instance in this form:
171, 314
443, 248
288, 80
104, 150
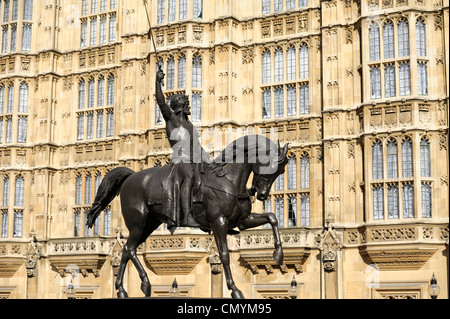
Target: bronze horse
226, 201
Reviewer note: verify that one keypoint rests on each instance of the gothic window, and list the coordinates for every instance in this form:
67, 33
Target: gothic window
103, 5
304, 98
90, 126
196, 107
265, 6
290, 64
112, 27
77, 223
84, 7
292, 211
279, 65
101, 92
18, 224
10, 103
23, 98
111, 90
6, 191
93, 31
170, 74
375, 82
279, 183
107, 222
182, 72
4, 229
389, 80
26, 37
22, 129
403, 38
158, 115
266, 103
87, 231
19, 192
279, 102
94, 5
378, 209
304, 171
302, 3
393, 201
377, 160
374, 42
13, 38
304, 210
392, 169
388, 40
100, 121
28, 10
161, 11
183, 9
425, 165
97, 227
304, 62
292, 173
291, 100
6, 11
8, 138
80, 126
266, 67
102, 34
171, 10
81, 94
405, 79
408, 201
279, 211
290, 4
78, 189
426, 200
87, 189
422, 78
83, 34
421, 38
198, 9
407, 158
5, 39
15, 9
91, 93
277, 5
197, 71
2, 99
109, 123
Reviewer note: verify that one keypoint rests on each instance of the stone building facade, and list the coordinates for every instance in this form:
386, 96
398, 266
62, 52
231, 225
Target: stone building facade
358, 88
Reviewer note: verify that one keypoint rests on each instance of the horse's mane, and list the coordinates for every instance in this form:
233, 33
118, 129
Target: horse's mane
240, 149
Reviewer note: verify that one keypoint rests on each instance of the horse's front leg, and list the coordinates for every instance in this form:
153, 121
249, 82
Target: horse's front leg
255, 220
219, 228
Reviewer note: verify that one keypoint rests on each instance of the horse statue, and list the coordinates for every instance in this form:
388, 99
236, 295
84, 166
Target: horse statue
225, 202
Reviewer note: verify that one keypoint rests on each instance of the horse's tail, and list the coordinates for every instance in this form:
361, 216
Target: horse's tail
109, 188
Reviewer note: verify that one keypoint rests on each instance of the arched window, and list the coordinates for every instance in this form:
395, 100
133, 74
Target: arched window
292, 211
403, 38
279, 102
389, 80
405, 78
101, 92
388, 40
19, 191
374, 42
375, 82
6, 191
2, 99
377, 160
111, 90
88, 189
78, 189
305, 210
292, 173
422, 78
290, 63
392, 167
91, 93
291, 100
81, 94
170, 74
304, 171
304, 62
18, 224
266, 67
182, 72
421, 44
407, 159
425, 165
197, 71
23, 98
279, 65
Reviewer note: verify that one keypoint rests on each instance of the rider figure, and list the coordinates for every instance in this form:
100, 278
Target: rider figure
183, 138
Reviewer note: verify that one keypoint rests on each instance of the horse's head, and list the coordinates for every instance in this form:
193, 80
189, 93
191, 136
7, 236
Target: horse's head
265, 172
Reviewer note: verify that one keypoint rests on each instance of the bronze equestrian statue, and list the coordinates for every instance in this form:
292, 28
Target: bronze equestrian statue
150, 197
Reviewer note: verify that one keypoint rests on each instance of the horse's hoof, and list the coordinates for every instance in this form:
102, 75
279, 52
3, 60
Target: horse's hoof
146, 289
278, 256
237, 294
122, 294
